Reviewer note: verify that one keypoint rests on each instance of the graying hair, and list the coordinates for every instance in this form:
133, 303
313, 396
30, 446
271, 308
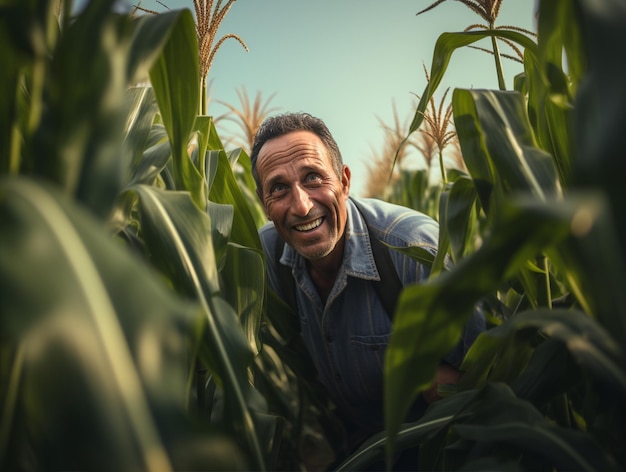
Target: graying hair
279, 125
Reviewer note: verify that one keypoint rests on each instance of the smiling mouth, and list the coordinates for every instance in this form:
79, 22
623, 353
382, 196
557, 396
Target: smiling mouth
309, 226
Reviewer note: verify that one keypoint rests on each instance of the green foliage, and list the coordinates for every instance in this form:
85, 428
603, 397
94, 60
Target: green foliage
133, 289
136, 329
174, 77
414, 190
536, 237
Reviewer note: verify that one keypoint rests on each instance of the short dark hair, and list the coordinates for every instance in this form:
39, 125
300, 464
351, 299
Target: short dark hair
279, 125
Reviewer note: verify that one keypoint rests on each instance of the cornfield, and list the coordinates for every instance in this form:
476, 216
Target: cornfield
136, 328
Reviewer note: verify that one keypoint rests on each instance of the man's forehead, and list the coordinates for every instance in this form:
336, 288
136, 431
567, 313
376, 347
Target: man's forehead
293, 146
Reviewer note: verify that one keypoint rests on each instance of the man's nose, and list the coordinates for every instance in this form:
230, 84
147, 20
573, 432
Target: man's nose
301, 202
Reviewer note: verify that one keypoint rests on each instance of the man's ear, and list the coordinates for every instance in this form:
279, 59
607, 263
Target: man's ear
345, 180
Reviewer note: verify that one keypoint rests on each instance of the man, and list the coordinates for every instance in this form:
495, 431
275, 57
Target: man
304, 187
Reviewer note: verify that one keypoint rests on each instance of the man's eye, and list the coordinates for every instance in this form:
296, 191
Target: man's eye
313, 178
277, 188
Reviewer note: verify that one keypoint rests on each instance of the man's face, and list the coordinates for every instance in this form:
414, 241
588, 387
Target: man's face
302, 194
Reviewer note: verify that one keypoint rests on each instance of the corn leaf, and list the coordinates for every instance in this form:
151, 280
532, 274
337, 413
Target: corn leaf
601, 108
507, 141
461, 217
430, 317
225, 189
180, 238
446, 44
244, 285
141, 113
175, 78
560, 448
99, 344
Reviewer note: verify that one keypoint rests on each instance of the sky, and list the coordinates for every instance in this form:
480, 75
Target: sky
347, 61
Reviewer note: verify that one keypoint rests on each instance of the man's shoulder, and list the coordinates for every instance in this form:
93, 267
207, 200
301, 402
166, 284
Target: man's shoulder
391, 221
375, 206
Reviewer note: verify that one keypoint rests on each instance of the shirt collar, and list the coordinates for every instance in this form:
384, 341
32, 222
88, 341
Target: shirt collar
358, 256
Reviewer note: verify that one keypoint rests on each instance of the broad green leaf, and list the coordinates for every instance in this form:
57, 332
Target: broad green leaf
558, 33
588, 264
13, 27
492, 405
551, 372
244, 408
221, 216
179, 238
175, 78
502, 123
284, 337
78, 142
443, 243
242, 172
590, 345
474, 148
601, 107
244, 286
225, 189
214, 143
461, 217
417, 191
153, 161
430, 317
498, 130
150, 166
560, 119
89, 323
241, 157
202, 128
549, 104
446, 44
373, 449
438, 417
28, 34
560, 448
550, 108
530, 280
139, 123
151, 33
482, 356
420, 254
242, 169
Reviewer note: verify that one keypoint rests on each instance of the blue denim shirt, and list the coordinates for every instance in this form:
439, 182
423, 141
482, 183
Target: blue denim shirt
348, 335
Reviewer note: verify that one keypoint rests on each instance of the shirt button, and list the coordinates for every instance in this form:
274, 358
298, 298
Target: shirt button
329, 338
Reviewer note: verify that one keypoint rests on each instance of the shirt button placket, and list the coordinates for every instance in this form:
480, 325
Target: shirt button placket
330, 341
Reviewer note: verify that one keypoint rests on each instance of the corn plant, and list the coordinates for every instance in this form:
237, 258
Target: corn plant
543, 388
132, 296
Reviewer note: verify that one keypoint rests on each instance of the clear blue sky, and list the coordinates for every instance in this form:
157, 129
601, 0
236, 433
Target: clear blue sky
347, 61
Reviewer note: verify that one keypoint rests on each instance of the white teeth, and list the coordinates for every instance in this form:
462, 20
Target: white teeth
309, 226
